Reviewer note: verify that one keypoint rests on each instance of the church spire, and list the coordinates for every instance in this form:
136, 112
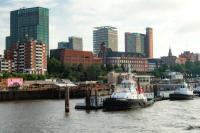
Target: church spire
170, 52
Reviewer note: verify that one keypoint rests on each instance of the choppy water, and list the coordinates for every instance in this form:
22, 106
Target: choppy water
48, 116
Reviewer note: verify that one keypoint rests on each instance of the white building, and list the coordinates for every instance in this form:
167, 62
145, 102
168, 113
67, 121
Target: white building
5, 65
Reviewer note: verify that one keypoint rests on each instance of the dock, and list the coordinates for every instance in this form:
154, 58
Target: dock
95, 94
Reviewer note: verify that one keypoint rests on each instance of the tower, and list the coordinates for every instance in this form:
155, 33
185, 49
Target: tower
149, 42
106, 34
33, 22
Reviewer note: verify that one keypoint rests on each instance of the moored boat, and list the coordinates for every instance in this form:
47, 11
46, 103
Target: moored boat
183, 92
197, 89
130, 95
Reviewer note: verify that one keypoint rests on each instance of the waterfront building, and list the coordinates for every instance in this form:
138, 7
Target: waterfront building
170, 59
181, 60
8, 42
136, 61
75, 43
5, 65
135, 64
188, 56
106, 34
175, 75
153, 64
67, 56
140, 43
116, 78
28, 57
135, 42
29, 22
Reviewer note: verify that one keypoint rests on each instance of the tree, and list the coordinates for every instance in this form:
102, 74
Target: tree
109, 67
123, 68
55, 67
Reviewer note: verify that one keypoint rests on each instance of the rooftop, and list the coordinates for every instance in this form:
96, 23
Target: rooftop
105, 27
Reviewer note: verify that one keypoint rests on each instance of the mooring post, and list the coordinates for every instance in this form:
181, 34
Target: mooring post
67, 99
87, 99
96, 102
155, 90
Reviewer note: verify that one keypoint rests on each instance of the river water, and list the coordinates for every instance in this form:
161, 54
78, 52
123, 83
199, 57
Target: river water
48, 116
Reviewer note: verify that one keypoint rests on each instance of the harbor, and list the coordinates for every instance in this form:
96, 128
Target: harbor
127, 102
74, 66
49, 116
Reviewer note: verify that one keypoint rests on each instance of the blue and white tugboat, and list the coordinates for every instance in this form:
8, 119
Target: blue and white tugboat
183, 92
130, 95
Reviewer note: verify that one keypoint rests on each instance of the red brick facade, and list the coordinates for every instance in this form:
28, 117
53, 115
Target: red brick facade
75, 57
28, 57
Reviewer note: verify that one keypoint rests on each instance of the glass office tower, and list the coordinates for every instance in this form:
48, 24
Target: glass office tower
135, 42
30, 22
106, 34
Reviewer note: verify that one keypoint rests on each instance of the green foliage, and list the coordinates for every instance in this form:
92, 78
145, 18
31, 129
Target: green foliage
189, 68
79, 72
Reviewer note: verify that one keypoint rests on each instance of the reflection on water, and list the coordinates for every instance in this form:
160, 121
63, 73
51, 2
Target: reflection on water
48, 116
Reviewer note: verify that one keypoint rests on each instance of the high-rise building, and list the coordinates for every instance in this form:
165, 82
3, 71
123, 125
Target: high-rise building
32, 23
65, 45
8, 42
149, 42
135, 42
140, 43
75, 43
105, 34
28, 57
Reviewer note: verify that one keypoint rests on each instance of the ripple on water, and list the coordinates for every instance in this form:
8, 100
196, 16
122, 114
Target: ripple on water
47, 116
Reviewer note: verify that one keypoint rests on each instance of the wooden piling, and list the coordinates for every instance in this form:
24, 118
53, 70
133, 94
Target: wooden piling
155, 90
96, 103
67, 99
87, 99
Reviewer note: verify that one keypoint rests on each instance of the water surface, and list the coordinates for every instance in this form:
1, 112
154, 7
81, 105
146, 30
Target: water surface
48, 116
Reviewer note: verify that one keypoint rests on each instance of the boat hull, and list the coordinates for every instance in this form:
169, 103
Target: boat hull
180, 97
110, 104
197, 92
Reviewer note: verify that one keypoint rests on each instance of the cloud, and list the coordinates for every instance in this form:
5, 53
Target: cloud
175, 22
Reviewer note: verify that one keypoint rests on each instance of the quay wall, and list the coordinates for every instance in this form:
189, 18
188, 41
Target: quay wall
29, 95
40, 94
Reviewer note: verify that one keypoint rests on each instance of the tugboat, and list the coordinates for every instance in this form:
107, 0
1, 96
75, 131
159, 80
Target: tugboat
130, 95
183, 92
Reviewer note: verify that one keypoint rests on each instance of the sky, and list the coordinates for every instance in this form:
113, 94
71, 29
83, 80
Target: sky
175, 23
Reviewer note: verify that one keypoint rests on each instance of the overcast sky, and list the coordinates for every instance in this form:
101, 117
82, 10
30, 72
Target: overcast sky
175, 23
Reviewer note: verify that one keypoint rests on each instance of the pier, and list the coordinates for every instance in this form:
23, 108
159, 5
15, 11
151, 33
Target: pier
95, 93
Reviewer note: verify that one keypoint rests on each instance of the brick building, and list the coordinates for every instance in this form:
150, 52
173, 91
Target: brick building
5, 65
28, 57
188, 56
136, 64
75, 57
169, 60
135, 61
140, 43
